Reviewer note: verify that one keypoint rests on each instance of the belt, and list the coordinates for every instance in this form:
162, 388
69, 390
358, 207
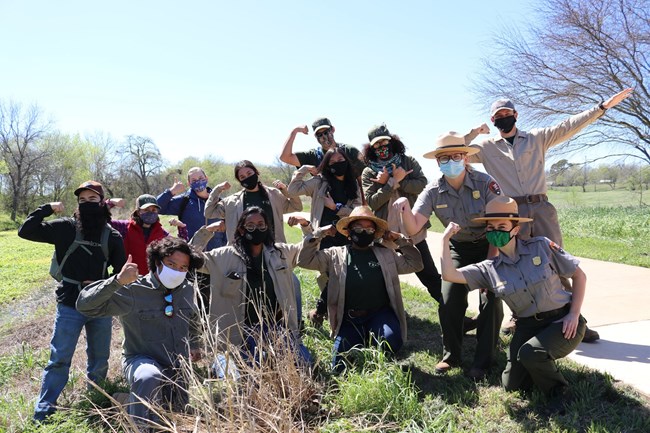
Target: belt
355, 314
531, 198
544, 315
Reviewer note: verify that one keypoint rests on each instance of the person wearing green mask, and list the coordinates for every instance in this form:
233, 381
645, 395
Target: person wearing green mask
527, 276
459, 195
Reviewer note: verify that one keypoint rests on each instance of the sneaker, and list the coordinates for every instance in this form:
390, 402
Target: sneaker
509, 328
590, 336
469, 324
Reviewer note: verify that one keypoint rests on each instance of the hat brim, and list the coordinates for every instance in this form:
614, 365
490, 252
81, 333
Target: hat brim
381, 137
146, 205
321, 127
500, 217
460, 148
78, 191
381, 225
502, 108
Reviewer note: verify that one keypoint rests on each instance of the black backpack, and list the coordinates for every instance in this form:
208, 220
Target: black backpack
56, 268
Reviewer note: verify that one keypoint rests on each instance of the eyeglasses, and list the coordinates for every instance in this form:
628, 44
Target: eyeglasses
359, 230
169, 308
320, 134
251, 227
455, 157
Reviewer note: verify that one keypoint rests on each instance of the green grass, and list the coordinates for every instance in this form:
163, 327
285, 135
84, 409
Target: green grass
595, 195
23, 265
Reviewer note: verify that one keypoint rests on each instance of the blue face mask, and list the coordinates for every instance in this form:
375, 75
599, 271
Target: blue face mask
452, 169
199, 185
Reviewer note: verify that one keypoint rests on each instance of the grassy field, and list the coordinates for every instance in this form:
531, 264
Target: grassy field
380, 395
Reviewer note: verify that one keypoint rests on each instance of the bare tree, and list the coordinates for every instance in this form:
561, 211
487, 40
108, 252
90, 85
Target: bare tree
104, 159
574, 54
20, 133
144, 160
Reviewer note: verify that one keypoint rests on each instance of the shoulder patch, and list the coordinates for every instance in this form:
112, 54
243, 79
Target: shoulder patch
555, 247
494, 187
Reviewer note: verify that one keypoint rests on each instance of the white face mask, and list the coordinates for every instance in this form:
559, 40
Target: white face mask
171, 278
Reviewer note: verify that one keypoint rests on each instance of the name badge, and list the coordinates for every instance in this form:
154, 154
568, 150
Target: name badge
441, 206
537, 261
476, 194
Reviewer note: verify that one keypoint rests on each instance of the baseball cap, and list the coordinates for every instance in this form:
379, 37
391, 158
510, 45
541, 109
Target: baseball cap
146, 200
501, 104
321, 123
91, 185
379, 132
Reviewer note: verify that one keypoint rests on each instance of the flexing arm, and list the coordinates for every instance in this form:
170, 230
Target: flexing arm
449, 272
287, 156
413, 221
578, 287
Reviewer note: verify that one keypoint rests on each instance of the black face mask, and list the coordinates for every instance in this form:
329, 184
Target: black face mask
362, 239
92, 217
250, 182
505, 124
339, 168
257, 236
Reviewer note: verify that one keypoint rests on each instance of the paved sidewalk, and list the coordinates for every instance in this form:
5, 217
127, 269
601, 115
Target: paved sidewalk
617, 305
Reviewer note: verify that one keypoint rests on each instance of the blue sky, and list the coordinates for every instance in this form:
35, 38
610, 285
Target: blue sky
232, 79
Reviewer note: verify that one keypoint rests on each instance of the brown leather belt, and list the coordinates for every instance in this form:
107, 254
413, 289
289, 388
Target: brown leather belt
532, 198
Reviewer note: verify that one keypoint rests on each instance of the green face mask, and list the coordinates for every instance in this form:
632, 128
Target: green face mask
499, 238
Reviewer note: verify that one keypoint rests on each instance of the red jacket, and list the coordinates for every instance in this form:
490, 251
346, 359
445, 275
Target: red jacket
134, 242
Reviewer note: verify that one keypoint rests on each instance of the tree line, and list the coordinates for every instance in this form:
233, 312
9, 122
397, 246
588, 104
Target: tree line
633, 177
41, 164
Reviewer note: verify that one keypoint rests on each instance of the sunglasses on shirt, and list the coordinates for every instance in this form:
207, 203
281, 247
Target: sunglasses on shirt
169, 308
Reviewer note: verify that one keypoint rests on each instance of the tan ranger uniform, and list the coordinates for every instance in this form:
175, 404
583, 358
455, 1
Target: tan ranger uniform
519, 169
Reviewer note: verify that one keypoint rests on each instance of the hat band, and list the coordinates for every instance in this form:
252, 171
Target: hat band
452, 145
501, 215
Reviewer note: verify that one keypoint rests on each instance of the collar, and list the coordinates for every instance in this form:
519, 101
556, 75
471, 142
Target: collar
522, 249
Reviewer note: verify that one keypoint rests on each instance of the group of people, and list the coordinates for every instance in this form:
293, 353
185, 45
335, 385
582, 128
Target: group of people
369, 216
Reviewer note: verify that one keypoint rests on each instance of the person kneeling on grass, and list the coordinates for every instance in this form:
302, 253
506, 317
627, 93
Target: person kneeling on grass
160, 319
252, 289
526, 275
364, 298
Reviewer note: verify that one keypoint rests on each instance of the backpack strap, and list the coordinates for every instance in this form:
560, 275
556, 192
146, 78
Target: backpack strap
80, 242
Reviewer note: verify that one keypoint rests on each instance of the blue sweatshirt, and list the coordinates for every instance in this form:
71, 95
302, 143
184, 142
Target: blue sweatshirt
193, 214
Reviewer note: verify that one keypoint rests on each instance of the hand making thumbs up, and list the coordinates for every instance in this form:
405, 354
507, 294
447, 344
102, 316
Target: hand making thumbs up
129, 272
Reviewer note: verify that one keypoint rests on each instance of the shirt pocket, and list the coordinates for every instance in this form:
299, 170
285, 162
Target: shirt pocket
151, 328
517, 299
445, 213
232, 283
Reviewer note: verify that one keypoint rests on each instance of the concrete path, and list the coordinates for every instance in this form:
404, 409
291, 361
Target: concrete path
617, 305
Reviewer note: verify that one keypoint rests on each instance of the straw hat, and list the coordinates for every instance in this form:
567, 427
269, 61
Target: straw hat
502, 208
450, 142
362, 213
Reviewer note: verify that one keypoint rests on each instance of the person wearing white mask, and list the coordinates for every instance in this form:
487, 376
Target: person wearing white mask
160, 319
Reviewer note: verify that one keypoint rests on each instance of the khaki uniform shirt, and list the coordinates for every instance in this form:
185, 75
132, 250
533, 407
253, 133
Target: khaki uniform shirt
459, 206
316, 187
530, 282
334, 262
228, 284
519, 168
231, 208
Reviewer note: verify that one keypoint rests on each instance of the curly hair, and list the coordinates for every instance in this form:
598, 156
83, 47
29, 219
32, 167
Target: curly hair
349, 181
239, 241
396, 147
165, 247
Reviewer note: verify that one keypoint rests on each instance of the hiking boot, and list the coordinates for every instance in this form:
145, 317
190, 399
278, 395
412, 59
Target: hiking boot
469, 324
444, 366
590, 336
476, 373
509, 328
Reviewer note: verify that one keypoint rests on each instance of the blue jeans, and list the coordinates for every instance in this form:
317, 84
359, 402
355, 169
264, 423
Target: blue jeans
380, 328
250, 351
67, 328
